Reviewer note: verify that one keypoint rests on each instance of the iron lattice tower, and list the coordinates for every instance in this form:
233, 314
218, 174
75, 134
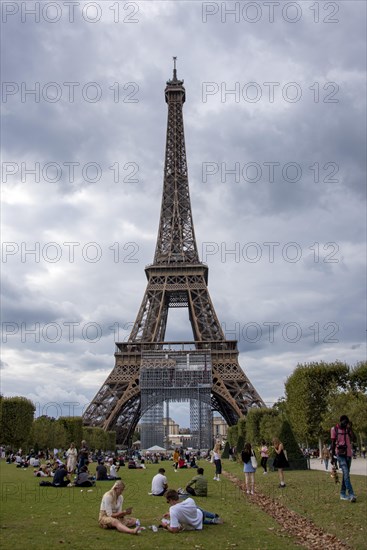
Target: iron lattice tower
176, 278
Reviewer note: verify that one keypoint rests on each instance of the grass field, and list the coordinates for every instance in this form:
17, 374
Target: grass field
39, 517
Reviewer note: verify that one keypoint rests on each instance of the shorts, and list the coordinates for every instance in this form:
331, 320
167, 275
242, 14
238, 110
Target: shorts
106, 522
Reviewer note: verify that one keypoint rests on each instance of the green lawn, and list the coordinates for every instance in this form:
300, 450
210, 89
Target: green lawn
36, 517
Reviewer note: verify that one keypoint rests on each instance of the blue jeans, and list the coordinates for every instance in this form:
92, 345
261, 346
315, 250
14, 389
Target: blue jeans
208, 516
344, 465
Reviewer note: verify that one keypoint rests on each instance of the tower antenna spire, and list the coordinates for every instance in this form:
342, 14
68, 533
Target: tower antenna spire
174, 68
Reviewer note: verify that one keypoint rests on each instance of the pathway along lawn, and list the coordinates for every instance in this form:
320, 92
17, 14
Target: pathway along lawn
309, 507
39, 517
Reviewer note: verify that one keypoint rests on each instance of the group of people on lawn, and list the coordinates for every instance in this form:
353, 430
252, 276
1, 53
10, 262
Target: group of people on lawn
186, 515
184, 512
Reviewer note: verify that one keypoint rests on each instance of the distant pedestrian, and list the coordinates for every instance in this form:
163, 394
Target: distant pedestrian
341, 448
249, 468
280, 460
217, 461
176, 456
83, 455
71, 455
264, 453
325, 456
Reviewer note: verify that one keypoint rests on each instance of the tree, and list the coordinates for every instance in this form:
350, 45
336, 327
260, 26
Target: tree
240, 444
97, 438
232, 435
111, 440
358, 377
257, 419
307, 392
42, 432
296, 459
270, 426
73, 427
241, 426
16, 420
225, 453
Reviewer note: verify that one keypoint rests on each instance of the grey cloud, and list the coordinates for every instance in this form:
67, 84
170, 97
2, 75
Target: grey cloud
106, 132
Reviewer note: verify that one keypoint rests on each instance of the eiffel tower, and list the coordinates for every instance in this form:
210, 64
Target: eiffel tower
176, 278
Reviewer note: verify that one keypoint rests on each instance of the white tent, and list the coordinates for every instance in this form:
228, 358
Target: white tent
156, 448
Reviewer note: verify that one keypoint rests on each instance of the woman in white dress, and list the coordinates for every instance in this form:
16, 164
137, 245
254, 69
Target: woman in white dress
71, 455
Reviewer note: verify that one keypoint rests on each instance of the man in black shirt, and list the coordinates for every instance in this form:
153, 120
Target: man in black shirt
59, 477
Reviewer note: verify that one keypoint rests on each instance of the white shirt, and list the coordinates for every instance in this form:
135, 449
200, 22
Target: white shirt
159, 483
186, 513
108, 506
113, 471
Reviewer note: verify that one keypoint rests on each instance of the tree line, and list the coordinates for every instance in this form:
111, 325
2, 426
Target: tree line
19, 429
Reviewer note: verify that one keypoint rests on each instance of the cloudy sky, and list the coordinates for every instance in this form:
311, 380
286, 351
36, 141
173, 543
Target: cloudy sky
275, 138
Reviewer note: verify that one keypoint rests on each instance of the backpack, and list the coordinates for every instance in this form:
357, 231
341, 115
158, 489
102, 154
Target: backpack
341, 449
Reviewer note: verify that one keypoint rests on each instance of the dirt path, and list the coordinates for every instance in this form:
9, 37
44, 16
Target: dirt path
304, 530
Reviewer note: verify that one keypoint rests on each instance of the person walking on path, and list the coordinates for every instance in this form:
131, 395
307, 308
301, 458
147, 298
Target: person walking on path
341, 449
175, 458
217, 461
111, 514
264, 453
280, 461
325, 456
249, 468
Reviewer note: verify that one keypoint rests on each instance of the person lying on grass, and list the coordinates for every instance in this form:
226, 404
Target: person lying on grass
111, 514
186, 515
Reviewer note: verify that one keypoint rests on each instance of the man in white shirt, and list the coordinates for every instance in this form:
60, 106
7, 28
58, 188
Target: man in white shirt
186, 515
159, 483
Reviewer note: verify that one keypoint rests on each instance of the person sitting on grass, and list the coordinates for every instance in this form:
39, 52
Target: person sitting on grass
111, 514
159, 483
186, 515
84, 479
182, 463
61, 477
200, 483
113, 470
101, 471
